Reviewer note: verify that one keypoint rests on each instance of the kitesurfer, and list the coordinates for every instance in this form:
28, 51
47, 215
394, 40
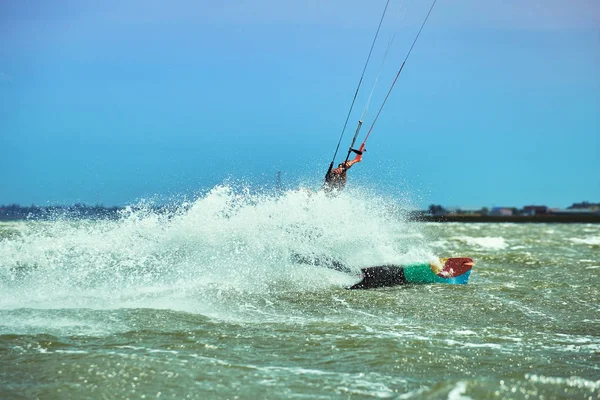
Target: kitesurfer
336, 178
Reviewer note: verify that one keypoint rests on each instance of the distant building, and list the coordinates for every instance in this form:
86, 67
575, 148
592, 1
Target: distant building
502, 211
535, 210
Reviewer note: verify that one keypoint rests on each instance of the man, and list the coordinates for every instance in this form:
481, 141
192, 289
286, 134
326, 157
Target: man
336, 178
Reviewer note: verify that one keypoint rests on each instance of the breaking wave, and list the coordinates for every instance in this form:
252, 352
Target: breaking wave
228, 239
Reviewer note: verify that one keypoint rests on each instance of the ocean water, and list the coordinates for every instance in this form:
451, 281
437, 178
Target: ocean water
209, 301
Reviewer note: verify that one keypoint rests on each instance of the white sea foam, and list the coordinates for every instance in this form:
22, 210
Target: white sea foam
466, 332
452, 342
572, 381
226, 240
71, 351
490, 243
590, 240
26, 324
457, 393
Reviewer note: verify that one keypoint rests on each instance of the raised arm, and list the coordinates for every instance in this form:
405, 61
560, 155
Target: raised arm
358, 158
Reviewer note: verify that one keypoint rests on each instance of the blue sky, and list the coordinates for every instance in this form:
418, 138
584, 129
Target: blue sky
110, 102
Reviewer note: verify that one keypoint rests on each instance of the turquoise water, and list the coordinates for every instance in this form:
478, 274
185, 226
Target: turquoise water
207, 302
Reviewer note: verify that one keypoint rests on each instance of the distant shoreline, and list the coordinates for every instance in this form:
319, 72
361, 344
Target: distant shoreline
15, 212
115, 213
519, 219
